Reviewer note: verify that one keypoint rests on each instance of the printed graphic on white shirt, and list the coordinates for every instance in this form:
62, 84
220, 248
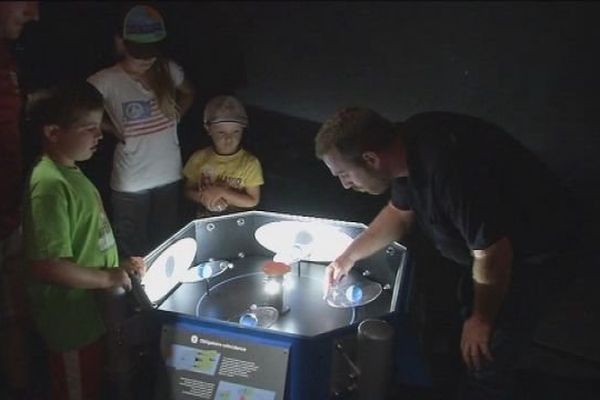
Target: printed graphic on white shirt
144, 117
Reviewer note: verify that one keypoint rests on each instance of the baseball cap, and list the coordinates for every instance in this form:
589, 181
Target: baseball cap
143, 31
225, 109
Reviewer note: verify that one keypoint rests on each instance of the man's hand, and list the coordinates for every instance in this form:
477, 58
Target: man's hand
474, 343
491, 277
335, 271
134, 266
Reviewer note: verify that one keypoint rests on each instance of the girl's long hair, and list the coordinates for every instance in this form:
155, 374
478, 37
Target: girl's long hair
159, 76
161, 83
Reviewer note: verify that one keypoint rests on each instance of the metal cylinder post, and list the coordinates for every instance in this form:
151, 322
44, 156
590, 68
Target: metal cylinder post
375, 358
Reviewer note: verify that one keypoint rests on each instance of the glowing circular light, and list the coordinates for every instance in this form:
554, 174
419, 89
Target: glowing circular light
248, 319
257, 316
295, 240
354, 293
206, 272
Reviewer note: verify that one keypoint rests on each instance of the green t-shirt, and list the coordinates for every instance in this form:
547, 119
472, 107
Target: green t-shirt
64, 218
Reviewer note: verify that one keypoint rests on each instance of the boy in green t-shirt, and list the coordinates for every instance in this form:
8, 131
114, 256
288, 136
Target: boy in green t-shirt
69, 244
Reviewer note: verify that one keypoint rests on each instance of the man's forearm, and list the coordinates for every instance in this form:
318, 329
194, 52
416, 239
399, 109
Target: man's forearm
389, 225
491, 275
488, 300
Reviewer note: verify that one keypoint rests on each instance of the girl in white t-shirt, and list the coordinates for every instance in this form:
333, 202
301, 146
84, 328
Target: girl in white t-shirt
145, 94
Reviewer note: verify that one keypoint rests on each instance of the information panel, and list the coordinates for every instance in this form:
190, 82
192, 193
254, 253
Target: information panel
203, 365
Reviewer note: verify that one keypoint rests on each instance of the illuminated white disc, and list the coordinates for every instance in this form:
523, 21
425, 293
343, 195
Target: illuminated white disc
311, 241
292, 255
163, 274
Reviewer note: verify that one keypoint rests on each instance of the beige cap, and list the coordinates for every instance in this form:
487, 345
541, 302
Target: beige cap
225, 109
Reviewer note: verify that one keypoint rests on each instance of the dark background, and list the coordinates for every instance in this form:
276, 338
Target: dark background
531, 67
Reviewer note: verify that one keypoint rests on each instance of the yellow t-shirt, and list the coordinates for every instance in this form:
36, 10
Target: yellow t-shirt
238, 171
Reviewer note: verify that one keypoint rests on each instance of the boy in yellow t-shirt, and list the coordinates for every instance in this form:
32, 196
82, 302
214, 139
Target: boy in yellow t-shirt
223, 177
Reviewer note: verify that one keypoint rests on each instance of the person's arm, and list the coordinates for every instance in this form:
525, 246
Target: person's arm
390, 224
66, 273
246, 198
491, 275
191, 191
134, 266
101, 83
184, 96
210, 198
107, 126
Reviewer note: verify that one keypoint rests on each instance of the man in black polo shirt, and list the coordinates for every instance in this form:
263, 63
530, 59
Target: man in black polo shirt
486, 202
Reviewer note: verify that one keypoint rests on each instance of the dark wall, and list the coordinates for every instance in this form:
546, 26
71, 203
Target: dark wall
530, 67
